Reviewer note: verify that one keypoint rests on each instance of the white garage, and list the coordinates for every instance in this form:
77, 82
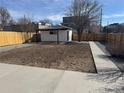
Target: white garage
57, 33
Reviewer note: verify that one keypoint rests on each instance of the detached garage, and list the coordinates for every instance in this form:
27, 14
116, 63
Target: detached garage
56, 33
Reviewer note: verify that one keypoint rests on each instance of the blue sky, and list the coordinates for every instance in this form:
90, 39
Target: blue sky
113, 10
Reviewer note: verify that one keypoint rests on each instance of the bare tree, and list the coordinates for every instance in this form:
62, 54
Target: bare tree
24, 20
4, 16
26, 24
84, 13
95, 28
12, 22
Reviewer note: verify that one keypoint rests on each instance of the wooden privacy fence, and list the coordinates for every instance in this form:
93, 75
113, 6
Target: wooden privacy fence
115, 44
90, 37
115, 41
10, 38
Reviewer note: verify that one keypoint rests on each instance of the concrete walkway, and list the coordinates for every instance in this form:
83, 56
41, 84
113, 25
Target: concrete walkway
7, 48
102, 62
24, 79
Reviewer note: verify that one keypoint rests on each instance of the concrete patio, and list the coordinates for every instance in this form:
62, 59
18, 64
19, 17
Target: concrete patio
24, 79
7, 48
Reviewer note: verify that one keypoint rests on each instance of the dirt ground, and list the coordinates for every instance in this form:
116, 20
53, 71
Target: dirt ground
65, 57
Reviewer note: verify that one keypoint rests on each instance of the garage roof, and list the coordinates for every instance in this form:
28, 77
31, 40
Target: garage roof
56, 28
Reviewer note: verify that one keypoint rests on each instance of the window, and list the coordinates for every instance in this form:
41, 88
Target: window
53, 32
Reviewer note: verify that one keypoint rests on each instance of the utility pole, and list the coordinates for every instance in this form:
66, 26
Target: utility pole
101, 20
107, 27
107, 30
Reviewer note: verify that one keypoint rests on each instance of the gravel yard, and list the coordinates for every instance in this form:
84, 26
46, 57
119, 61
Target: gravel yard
65, 57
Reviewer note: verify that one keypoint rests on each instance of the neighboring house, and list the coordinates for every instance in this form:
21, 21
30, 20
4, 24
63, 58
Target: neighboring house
69, 22
55, 33
20, 28
114, 28
7, 28
42, 26
1, 28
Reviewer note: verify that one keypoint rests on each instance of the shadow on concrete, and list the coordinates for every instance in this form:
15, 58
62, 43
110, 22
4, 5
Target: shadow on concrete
118, 60
113, 81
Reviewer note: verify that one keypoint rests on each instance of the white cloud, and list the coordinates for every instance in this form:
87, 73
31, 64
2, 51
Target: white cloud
114, 16
55, 17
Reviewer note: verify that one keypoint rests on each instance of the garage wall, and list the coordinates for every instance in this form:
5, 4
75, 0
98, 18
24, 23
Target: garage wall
63, 36
46, 36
